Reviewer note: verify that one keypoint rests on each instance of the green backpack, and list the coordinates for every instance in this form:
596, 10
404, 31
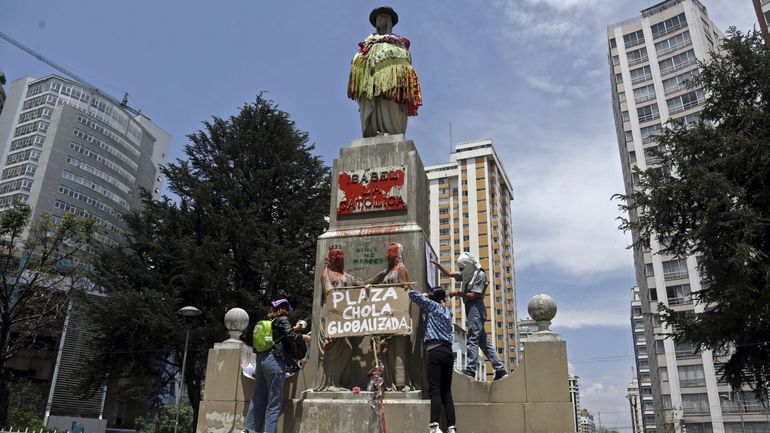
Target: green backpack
263, 336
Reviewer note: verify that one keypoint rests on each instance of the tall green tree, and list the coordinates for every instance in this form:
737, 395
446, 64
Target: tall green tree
252, 198
711, 199
41, 267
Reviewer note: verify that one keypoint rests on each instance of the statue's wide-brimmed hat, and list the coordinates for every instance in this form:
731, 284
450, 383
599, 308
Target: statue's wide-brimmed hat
387, 10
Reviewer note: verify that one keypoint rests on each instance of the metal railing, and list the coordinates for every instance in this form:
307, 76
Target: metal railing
673, 48
677, 67
681, 300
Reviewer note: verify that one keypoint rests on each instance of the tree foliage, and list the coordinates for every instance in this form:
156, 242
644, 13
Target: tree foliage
41, 266
711, 200
251, 201
165, 420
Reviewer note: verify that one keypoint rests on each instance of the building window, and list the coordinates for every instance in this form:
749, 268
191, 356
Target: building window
622, 96
679, 82
644, 94
695, 404
679, 61
626, 118
637, 56
629, 136
613, 43
675, 269
633, 39
668, 26
650, 132
684, 102
691, 375
679, 294
672, 44
647, 113
640, 75
648, 270
618, 78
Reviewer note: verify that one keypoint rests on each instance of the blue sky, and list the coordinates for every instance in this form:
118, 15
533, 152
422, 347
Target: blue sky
530, 74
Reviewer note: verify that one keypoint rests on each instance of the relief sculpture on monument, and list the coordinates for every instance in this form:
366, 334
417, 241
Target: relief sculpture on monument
354, 311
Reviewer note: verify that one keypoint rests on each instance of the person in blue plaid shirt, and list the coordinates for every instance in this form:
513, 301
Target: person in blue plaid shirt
439, 357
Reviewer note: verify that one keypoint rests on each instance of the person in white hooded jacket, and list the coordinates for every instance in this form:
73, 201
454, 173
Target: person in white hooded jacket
473, 287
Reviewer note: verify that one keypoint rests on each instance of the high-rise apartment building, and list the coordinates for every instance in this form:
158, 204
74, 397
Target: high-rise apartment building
574, 397
470, 210
67, 148
651, 58
586, 422
643, 380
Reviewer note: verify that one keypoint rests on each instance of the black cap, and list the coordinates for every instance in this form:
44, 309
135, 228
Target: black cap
387, 10
438, 294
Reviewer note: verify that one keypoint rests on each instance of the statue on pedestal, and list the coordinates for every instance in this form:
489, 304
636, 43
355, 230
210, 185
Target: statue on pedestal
382, 79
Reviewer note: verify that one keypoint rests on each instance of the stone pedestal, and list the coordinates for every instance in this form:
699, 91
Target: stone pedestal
228, 392
532, 399
365, 236
348, 412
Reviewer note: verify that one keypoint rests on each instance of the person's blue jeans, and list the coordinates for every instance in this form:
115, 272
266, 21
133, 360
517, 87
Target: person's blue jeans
266, 401
477, 337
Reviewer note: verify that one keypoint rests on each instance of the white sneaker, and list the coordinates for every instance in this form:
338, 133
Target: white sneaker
434, 428
451, 429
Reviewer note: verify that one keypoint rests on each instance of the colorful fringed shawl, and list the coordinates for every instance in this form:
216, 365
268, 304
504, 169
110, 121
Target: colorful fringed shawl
383, 67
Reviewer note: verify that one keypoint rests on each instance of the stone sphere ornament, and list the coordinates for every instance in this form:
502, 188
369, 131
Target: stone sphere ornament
542, 309
236, 321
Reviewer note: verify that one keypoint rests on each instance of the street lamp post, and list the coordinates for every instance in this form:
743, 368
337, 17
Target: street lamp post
188, 313
634, 424
740, 408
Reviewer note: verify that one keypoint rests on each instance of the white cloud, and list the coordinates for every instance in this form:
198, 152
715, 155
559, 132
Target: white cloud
564, 5
575, 319
562, 212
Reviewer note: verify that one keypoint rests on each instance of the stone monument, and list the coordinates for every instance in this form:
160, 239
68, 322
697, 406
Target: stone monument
366, 366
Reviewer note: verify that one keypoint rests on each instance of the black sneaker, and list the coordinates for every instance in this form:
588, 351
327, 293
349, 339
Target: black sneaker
499, 374
470, 373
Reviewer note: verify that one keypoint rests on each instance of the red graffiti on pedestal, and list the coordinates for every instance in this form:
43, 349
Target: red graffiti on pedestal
370, 192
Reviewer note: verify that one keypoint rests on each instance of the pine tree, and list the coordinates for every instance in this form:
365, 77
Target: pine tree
251, 201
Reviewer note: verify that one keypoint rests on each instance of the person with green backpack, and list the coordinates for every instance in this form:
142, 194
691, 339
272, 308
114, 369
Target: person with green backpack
276, 343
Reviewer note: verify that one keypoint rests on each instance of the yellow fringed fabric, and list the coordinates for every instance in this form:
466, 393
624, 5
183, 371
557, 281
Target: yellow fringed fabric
385, 70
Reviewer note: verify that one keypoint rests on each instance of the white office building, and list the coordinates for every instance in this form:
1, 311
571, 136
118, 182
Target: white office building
651, 57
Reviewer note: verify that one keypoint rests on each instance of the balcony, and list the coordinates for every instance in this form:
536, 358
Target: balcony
674, 47
642, 79
677, 67
686, 354
680, 300
692, 382
637, 60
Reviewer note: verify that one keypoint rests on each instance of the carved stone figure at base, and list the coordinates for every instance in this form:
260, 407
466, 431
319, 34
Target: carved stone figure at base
382, 79
397, 357
337, 355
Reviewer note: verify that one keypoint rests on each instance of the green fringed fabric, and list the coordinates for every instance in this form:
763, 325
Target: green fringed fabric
385, 71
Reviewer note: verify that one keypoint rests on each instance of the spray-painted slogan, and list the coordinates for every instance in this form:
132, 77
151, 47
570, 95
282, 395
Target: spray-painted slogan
356, 312
371, 190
